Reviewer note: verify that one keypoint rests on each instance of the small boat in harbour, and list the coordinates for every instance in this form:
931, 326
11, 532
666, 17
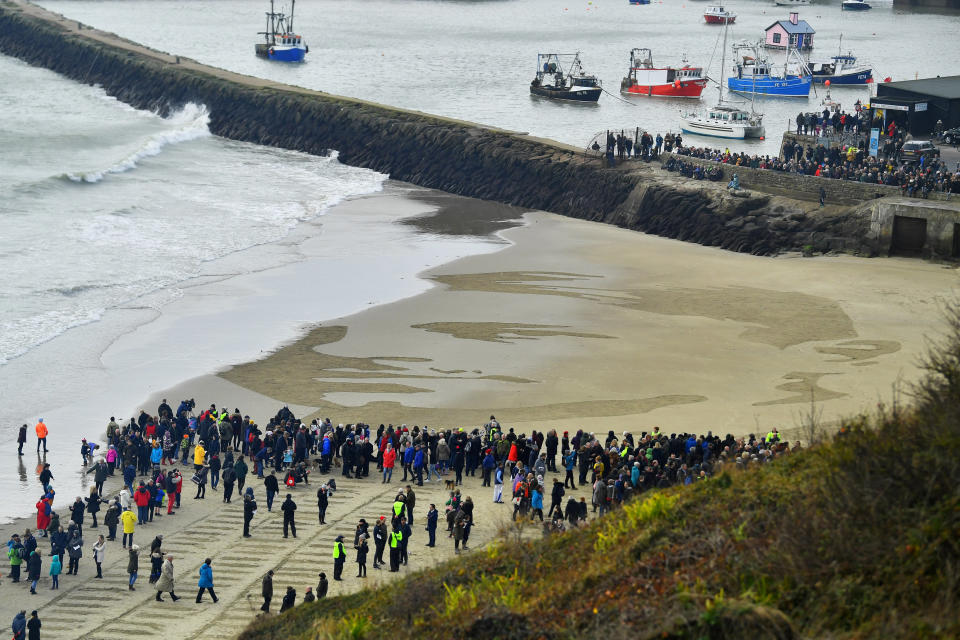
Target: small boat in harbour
280, 42
643, 79
791, 3
724, 120
841, 69
756, 74
855, 5
717, 14
554, 82
639, 1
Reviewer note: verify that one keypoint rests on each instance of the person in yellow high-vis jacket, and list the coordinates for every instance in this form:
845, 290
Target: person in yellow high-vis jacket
396, 536
339, 557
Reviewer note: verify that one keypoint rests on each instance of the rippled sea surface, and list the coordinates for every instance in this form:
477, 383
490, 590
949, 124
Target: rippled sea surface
474, 59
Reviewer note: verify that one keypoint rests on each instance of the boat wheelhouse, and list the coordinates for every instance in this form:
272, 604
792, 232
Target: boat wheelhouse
644, 79
280, 42
560, 76
718, 14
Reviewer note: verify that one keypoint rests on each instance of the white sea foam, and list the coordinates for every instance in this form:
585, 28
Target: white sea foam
189, 123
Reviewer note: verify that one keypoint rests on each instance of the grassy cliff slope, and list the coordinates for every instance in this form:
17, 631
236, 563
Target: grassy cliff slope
858, 537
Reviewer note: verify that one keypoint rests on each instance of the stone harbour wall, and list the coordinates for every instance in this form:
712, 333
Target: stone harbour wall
441, 153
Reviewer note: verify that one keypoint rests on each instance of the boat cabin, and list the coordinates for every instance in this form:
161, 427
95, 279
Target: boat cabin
729, 115
793, 33
288, 40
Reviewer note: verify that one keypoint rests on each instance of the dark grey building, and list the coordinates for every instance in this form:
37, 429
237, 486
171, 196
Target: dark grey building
916, 105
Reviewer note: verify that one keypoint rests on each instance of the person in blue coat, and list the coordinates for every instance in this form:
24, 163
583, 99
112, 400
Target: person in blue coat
129, 475
206, 581
418, 466
489, 464
536, 504
19, 625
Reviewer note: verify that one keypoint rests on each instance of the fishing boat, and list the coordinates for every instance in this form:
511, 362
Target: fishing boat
791, 3
717, 14
643, 79
724, 120
855, 5
639, 1
555, 82
280, 42
757, 75
841, 69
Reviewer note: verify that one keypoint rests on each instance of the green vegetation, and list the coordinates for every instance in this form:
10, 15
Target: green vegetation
858, 537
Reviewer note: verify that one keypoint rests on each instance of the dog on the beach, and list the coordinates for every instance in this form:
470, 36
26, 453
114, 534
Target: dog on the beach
450, 484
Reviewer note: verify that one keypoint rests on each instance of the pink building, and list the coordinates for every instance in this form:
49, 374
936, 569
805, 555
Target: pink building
793, 33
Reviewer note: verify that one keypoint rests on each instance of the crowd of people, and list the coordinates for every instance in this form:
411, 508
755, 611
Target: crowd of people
915, 177
146, 454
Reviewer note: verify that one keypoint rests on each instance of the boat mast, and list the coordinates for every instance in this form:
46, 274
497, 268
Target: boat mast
723, 58
290, 19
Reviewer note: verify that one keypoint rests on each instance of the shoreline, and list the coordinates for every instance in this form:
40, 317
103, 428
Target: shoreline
160, 349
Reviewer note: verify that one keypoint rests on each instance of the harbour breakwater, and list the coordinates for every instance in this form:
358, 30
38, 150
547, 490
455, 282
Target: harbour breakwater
435, 152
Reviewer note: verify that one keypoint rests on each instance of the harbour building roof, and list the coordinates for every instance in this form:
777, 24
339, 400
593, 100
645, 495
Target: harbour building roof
802, 26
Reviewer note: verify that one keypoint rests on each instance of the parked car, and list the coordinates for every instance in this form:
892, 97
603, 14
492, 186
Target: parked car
915, 149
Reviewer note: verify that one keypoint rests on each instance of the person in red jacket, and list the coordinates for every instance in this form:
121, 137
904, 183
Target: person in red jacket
43, 515
142, 498
389, 459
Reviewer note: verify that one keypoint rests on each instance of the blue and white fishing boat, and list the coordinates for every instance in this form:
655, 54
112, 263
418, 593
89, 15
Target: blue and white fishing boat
280, 42
639, 1
756, 75
841, 69
855, 5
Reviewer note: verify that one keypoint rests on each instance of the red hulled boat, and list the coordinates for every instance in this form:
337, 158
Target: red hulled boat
718, 15
646, 80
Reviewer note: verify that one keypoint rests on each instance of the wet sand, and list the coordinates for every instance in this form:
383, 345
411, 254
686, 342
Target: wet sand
585, 325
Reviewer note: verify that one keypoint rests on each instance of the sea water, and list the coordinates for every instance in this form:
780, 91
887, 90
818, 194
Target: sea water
138, 251
474, 59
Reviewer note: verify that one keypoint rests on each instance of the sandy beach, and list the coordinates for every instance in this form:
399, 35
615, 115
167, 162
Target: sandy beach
579, 324
570, 325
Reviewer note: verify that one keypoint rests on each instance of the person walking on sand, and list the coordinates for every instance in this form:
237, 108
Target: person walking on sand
21, 439
272, 488
165, 583
266, 590
289, 507
200, 478
33, 626
249, 508
129, 522
98, 553
322, 586
56, 567
42, 432
206, 581
133, 565
34, 566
